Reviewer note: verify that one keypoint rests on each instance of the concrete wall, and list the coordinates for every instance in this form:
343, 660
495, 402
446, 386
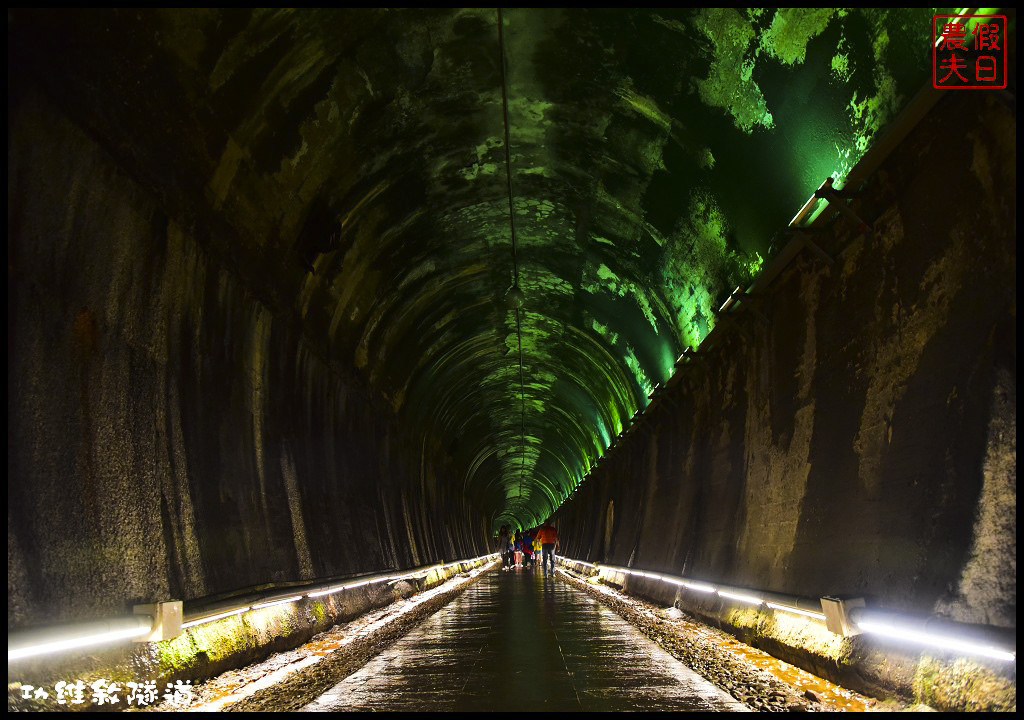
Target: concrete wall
858, 440
862, 439
172, 433
169, 433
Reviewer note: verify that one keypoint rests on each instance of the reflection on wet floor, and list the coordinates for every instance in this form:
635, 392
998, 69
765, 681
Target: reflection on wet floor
519, 641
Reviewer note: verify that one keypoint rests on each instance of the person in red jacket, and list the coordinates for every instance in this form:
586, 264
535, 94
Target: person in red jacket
548, 536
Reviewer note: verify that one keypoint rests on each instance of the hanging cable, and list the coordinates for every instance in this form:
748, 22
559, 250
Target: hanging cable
517, 297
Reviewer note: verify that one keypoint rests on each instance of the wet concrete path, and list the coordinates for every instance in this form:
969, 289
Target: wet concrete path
521, 642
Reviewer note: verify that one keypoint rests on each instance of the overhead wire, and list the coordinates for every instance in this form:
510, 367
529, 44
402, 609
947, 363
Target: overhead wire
515, 257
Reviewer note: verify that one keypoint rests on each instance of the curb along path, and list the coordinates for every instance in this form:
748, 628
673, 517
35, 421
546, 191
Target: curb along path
751, 678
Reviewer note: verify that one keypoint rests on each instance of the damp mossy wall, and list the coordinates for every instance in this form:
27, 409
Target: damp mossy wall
259, 329
855, 440
170, 435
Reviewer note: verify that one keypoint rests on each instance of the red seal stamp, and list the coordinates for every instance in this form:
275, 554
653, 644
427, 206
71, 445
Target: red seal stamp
969, 52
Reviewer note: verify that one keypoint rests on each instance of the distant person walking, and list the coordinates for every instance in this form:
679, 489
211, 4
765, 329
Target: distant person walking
505, 547
528, 556
548, 536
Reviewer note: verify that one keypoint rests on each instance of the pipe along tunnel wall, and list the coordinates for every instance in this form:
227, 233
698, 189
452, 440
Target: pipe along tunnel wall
171, 434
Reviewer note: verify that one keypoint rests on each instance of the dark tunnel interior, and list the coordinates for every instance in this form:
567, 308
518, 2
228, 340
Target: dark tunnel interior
303, 294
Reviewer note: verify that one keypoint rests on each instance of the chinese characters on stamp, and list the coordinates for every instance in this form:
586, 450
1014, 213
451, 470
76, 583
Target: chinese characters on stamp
969, 52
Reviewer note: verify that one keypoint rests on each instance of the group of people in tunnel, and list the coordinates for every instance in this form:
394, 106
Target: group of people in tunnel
520, 549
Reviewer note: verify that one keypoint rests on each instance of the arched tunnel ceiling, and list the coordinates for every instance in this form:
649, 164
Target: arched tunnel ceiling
350, 165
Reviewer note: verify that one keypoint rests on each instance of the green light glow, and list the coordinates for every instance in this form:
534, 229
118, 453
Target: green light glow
368, 193
730, 84
641, 199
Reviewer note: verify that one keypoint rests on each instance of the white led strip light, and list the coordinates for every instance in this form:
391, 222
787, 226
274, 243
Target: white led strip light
886, 629
72, 643
339, 588
104, 635
742, 597
707, 588
219, 616
889, 630
418, 573
797, 611
272, 603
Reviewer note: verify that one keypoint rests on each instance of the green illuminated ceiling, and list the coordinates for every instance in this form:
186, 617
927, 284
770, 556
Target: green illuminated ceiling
358, 159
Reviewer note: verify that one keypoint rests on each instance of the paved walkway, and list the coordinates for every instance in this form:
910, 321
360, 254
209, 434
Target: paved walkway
522, 642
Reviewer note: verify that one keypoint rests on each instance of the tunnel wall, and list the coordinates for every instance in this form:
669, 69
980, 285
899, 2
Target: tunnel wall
861, 439
170, 435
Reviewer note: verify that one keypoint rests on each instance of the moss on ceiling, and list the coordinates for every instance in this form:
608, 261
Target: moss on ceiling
353, 164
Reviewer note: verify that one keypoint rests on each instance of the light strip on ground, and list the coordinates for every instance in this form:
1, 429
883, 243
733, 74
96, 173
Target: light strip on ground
392, 578
291, 668
869, 626
699, 587
328, 591
143, 624
272, 603
70, 644
212, 618
752, 599
940, 641
797, 611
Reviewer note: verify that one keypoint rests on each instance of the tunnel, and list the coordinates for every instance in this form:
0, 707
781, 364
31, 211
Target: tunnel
306, 299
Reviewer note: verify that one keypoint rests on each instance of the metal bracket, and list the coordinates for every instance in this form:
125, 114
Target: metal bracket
166, 616
730, 321
828, 192
748, 301
837, 615
745, 301
691, 358
805, 235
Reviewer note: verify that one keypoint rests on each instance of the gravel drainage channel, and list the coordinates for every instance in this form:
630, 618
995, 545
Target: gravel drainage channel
752, 676
289, 680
